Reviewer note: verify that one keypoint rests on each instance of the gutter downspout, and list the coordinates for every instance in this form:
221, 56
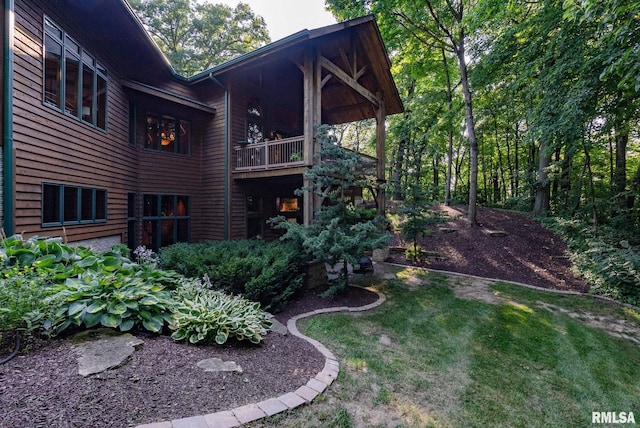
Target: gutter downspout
7, 118
226, 154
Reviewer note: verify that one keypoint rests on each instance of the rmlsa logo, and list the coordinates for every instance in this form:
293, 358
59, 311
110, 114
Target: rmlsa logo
612, 418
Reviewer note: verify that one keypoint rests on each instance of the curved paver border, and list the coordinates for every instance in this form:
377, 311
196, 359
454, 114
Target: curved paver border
269, 407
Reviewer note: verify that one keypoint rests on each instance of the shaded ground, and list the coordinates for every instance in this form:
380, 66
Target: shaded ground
504, 245
42, 387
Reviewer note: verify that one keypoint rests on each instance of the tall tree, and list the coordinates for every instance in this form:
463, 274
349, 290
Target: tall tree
438, 25
198, 36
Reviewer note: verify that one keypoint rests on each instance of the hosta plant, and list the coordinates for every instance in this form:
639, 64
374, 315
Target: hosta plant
203, 315
111, 300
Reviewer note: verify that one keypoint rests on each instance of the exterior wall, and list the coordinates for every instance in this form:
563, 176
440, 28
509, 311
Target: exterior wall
52, 147
55, 148
2, 94
99, 244
215, 171
238, 115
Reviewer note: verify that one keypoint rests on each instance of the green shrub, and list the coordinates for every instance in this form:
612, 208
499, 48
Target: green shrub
22, 292
203, 315
268, 273
76, 286
607, 263
114, 300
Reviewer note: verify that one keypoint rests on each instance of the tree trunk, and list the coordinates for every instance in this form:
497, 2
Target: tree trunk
471, 133
619, 183
447, 190
542, 188
398, 170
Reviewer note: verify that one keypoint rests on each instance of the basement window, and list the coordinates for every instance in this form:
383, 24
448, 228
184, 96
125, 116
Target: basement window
64, 205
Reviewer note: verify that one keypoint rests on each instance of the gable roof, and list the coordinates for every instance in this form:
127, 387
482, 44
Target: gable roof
357, 41
115, 27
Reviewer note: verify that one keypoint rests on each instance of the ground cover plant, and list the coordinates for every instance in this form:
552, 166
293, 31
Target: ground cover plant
509, 356
49, 287
605, 258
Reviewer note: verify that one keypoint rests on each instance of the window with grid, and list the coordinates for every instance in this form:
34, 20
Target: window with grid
75, 83
63, 204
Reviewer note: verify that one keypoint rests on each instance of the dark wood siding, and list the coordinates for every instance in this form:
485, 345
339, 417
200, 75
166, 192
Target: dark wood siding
51, 146
238, 119
214, 166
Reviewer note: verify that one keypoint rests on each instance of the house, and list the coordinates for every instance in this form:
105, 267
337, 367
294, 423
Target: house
104, 143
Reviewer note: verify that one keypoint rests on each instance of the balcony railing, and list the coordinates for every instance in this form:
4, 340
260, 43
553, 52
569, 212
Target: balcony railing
271, 154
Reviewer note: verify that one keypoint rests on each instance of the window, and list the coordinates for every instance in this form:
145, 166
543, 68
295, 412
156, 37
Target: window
63, 204
166, 220
167, 134
74, 81
290, 208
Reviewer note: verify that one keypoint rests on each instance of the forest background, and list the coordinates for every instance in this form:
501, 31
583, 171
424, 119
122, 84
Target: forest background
532, 106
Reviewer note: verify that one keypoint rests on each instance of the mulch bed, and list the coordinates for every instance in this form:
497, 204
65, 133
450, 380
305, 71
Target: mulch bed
42, 388
522, 250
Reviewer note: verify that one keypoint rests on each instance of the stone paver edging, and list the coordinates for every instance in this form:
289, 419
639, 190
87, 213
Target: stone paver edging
269, 407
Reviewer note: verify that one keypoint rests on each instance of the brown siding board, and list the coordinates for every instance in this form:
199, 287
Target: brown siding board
53, 147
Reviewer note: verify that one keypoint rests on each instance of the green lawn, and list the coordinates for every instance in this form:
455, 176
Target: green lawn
428, 358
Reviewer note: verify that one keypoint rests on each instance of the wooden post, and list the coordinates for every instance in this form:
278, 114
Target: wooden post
307, 205
380, 153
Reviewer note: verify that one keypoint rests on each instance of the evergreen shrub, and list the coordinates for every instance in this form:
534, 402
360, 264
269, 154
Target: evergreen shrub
266, 272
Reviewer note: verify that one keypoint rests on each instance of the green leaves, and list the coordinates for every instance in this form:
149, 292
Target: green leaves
113, 299
198, 36
207, 316
63, 287
269, 273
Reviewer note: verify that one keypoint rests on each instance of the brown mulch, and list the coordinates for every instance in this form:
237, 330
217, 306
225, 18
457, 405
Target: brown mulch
42, 388
504, 245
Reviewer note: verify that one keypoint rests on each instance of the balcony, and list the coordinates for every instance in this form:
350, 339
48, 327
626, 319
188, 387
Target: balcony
270, 155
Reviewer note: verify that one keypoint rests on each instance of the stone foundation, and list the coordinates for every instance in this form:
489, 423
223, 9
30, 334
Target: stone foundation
316, 275
104, 243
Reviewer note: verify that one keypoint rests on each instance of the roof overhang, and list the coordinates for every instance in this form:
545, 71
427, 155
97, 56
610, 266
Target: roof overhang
116, 30
168, 96
347, 49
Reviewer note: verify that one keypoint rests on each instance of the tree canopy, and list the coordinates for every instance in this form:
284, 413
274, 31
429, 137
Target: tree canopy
196, 36
554, 88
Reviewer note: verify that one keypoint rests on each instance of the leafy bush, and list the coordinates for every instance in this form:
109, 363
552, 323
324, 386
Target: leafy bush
47, 284
609, 264
205, 315
114, 300
76, 286
268, 273
22, 293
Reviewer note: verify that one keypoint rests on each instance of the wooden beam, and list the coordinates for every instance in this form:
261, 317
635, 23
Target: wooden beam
326, 79
348, 80
308, 70
344, 57
380, 153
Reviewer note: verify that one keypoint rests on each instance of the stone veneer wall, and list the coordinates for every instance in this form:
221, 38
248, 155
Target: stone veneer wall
316, 275
104, 243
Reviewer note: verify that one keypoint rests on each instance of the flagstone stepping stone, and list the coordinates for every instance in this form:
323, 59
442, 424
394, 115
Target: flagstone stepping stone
217, 365
495, 233
277, 326
447, 229
103, 349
